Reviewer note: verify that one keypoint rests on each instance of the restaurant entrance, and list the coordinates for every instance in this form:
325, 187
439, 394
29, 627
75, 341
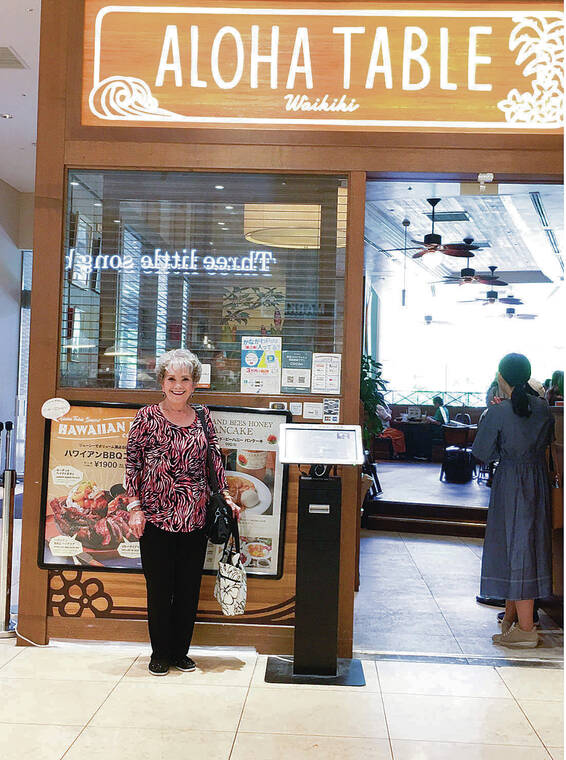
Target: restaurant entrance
457, 274
201, 181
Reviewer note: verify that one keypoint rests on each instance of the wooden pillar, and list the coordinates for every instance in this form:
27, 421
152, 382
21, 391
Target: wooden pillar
45, 308
351, 357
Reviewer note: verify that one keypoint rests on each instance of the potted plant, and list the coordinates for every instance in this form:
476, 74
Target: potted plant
372, 386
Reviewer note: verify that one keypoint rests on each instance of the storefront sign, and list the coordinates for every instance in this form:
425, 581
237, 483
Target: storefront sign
325, 65
85, 521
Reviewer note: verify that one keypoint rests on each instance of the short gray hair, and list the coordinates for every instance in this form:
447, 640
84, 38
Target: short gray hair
178, 359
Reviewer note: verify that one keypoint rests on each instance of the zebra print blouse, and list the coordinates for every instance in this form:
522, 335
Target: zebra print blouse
166, 469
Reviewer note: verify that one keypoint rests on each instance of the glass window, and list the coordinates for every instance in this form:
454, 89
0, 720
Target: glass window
162, 260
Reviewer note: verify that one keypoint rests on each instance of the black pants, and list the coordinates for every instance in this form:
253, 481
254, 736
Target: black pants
172, 565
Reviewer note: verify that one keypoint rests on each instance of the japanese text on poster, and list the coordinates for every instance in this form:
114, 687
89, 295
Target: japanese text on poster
261, 365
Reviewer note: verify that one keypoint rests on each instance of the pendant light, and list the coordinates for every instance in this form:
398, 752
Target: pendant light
406, 224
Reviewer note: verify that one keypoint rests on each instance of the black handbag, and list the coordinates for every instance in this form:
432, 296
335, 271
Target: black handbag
219, 518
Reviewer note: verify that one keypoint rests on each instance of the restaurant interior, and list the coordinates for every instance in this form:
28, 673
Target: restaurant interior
456, 276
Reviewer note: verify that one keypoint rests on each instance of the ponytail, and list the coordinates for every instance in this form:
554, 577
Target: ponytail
520, 400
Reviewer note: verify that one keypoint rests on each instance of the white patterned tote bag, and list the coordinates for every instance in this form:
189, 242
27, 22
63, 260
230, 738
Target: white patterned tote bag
230, 589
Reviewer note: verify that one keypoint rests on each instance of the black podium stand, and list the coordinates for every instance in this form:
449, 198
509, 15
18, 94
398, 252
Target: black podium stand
316, 608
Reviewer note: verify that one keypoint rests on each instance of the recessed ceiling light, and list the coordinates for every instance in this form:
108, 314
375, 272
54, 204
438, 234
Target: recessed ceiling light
228, 208
97, 203
117, 221
220, 223
219, 187
74, 183
7, 115
210, 242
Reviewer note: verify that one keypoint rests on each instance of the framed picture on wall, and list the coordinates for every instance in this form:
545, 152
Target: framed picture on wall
84, 516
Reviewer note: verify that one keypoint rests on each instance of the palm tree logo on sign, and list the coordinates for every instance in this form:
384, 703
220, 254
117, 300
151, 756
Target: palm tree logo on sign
540, 43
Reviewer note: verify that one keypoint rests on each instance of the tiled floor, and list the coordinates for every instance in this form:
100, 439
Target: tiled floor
72, 702
418, 595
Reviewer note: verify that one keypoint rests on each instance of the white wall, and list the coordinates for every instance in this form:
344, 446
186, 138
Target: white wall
13, 237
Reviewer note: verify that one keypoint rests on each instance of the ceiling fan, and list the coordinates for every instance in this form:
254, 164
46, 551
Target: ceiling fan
433, 242
430, 321
511, 300
468, 275
510, 313
492, 295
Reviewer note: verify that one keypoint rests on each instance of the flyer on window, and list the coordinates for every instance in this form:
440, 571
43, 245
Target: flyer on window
326, 373
296, 372
85, 520
261, 365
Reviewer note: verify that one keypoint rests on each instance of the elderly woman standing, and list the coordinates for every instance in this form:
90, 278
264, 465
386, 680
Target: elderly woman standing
516, 563
166, 473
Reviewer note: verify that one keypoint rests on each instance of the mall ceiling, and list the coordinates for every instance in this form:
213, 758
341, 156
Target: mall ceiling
19, 66
521, 229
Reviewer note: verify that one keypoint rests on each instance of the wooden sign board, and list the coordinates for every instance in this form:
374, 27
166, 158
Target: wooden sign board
339, 66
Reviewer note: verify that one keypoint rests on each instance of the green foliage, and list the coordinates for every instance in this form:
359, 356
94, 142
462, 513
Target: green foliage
372, 386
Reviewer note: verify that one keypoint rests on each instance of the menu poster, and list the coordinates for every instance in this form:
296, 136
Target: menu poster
257, 480
85, 521
85, 516
326, 373
261, 365
296, 371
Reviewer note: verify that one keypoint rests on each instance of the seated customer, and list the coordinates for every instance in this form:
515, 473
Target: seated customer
396, 436
441, 415
556, 391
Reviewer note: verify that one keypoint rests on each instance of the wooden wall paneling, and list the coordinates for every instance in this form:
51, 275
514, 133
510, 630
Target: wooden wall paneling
542, 156
353, 308
45, 305
266, 639
119, 598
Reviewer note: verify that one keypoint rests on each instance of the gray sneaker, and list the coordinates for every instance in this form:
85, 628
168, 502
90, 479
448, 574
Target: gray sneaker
516, 638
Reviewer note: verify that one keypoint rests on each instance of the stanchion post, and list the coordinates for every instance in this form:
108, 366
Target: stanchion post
7, 538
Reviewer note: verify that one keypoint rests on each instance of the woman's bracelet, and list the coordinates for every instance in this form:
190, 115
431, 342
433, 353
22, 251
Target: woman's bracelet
133, 505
